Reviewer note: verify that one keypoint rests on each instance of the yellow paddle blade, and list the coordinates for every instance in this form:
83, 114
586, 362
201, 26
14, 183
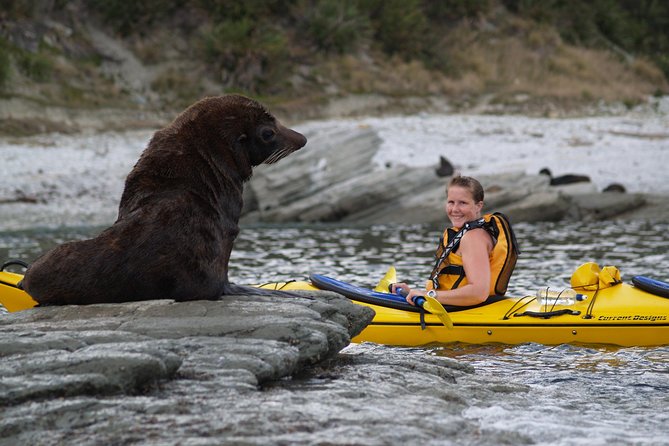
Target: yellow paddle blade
435, 307
390, 277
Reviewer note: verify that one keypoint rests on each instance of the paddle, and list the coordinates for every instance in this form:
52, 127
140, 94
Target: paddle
433, 306
426, 302
384, 284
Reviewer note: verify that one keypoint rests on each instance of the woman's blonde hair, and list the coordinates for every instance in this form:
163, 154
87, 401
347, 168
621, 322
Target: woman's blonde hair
472, 184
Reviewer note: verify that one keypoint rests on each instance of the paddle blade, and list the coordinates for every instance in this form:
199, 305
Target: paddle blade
384, 284
435, 307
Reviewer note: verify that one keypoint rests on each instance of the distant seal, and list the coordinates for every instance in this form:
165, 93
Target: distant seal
564, 179
178, 216
445, 168
615, 187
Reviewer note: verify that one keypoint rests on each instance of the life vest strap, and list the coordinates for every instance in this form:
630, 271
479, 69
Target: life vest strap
498, 226
452, 245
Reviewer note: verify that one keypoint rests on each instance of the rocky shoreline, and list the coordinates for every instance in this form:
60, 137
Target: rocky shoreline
336, 180
345, 175
56, 360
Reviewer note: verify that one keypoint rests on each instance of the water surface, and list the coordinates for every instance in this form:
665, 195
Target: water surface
520, 394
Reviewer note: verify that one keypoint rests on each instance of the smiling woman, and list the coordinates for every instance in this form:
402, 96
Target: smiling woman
475, 257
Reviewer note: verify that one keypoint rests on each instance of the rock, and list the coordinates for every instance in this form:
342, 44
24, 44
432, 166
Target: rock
575, 189
421, 203
542, 206
110, 349
329, 159
511, 187
602, 206
366, 198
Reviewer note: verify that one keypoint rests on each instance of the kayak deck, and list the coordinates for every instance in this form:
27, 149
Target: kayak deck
622, 315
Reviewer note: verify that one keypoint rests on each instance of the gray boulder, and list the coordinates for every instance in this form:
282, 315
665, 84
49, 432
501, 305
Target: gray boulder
108, 349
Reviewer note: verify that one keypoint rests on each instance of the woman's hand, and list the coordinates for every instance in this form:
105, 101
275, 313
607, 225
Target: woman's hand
396, 287
413, 294
407, 292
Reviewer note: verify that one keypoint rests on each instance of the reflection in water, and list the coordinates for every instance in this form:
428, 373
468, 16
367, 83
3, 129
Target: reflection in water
550, 251
558, 395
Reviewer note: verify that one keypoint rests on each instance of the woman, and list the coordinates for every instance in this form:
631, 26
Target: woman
475, 257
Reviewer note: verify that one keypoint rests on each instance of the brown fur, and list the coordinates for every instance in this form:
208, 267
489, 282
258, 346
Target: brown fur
178, 216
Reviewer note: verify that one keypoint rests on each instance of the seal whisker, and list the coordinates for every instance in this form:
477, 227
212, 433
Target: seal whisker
276, 156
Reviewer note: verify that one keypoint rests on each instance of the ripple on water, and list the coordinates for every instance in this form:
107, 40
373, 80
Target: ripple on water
519, 394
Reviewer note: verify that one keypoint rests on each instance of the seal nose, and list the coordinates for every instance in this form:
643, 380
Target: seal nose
302, 140
293, 138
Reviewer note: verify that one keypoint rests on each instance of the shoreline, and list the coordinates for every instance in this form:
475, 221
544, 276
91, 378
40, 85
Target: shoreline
56, 179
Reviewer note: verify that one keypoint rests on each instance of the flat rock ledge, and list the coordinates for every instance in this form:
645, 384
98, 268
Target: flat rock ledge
69, 352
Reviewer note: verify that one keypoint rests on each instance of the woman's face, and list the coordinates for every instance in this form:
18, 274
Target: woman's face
461, 207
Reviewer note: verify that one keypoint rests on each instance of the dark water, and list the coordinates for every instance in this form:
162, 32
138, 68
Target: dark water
525, 394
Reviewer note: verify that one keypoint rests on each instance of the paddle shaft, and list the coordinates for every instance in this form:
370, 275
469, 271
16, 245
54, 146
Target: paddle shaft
418, 300
432, 305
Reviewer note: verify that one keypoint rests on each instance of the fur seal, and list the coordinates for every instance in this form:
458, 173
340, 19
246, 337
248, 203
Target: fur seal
564, 179
615, 188
178, 216
445, 168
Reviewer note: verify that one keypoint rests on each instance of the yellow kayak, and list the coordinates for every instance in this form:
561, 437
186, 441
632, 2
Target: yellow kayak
624, 314
11, 297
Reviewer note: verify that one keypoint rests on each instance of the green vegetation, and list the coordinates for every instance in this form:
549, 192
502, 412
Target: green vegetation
4, 63
334, 26
636, 27
277, 48
135, 16
37, 66
411, 29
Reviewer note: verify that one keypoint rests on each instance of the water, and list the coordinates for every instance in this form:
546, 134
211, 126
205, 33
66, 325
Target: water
520, 394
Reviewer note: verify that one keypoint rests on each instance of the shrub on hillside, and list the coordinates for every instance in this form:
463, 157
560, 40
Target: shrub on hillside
4, 63
333, 25
36, 66
251, 56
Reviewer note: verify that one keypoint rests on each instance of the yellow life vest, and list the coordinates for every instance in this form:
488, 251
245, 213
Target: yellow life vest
448, 272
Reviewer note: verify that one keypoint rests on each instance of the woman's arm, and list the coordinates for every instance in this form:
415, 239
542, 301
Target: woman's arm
475, 248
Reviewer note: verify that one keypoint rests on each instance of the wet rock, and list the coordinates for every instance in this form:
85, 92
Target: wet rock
605, 205
655, 208
542, 206
111, 349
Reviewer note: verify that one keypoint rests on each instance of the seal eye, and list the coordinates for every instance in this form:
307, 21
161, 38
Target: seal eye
267, 134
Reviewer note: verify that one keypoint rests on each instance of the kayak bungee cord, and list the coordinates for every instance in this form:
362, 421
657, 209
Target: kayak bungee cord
522, 304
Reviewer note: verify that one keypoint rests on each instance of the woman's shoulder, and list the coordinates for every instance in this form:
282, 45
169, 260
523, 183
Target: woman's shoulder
477, 235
